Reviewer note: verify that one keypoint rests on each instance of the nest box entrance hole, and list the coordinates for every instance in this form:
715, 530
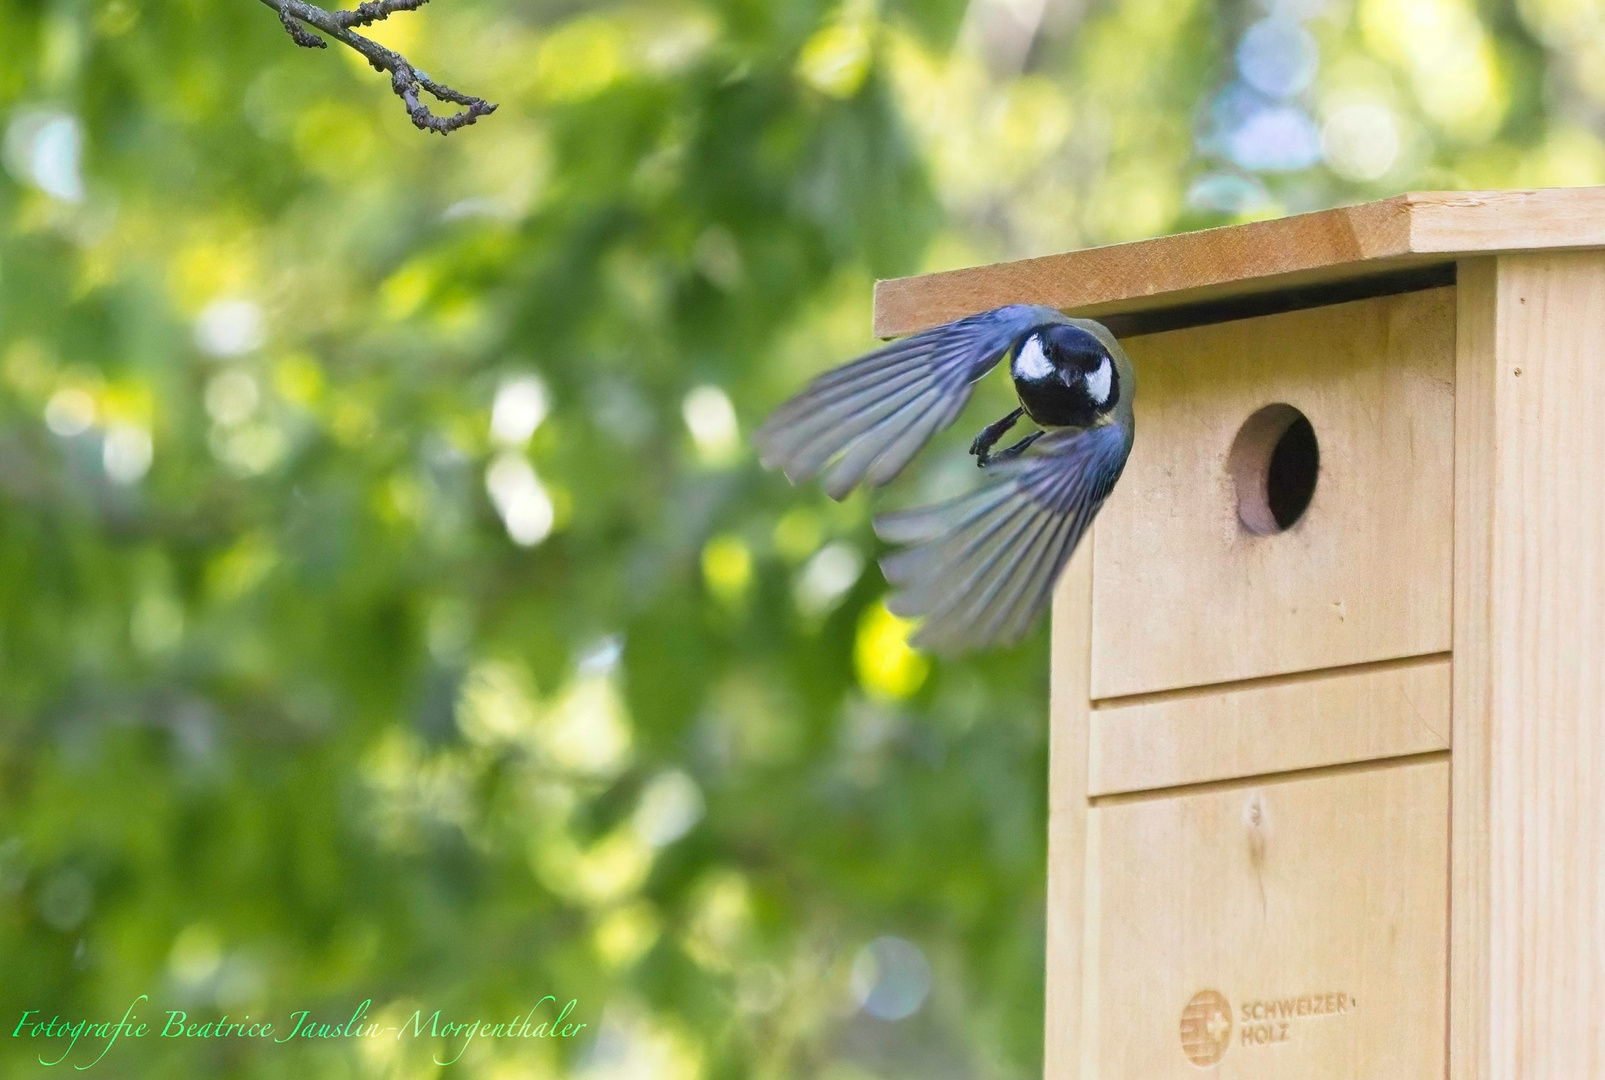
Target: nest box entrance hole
1274, 462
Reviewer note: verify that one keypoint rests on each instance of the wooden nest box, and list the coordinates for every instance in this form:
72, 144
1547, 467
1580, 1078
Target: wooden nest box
1328, 724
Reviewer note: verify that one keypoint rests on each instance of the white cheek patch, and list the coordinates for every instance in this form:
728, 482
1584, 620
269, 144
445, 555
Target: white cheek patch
1100, 382
1032, 363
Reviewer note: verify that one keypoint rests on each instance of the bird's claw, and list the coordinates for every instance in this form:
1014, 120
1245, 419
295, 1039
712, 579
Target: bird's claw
981, 448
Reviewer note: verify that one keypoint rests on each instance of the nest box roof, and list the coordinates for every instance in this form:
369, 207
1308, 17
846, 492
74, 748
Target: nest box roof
1408, 241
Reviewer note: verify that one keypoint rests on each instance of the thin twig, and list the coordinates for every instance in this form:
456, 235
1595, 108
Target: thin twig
407, 81
372, 11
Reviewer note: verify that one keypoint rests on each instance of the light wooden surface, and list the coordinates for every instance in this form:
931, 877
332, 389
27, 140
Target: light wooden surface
1330, 888
1476, 373
1067, 816
1405, 231
1184, 595
1268, 726
1529, 725
1340, 874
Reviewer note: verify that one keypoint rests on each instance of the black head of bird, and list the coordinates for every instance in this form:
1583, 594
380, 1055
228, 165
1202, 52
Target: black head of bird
1066, 376
979, 568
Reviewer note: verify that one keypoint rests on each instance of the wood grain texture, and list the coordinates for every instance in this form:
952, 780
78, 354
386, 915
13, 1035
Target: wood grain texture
1278, 725
1330, 888
1476, 373
1184, 595
1067, 816
1529, 937
1332, 245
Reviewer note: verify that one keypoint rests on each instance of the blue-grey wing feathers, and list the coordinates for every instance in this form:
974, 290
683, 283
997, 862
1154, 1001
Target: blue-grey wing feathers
980, 568
867, 419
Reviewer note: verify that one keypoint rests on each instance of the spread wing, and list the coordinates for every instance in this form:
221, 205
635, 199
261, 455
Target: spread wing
867, 419
981, 567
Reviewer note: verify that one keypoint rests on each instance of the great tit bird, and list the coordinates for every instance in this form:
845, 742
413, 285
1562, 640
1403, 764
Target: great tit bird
981, 567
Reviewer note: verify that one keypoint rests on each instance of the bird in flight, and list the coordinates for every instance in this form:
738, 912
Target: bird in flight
977, 569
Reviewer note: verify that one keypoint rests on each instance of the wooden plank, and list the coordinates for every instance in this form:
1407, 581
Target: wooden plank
1530, 688
1476, 374
1184, 595
1405, 231
1466, 222
1276, 725
1310, 913
1067, 817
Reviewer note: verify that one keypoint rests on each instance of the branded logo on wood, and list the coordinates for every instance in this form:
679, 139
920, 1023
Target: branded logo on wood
1206, 1028
1208, 1021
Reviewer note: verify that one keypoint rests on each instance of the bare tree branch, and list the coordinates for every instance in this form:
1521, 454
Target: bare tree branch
407, 81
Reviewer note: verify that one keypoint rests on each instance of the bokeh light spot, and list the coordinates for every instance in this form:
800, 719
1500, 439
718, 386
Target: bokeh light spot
890, 978
70, 411
66, 899
888, 667
1277, 57
836, 60
626, 933
521, 404
231, 397
230, 327
1277, 138
126, 453
671, 804
523, 503
45, 148
1360, 141
727, 568
196, 955
711, 419
833, 570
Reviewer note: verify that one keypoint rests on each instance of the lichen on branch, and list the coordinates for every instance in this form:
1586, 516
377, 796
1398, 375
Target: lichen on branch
410, 84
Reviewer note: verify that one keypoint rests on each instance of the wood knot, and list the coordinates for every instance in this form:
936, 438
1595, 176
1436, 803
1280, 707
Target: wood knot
1256, 820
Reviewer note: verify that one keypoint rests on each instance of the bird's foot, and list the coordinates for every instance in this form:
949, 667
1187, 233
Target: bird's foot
1014, 451
981, 448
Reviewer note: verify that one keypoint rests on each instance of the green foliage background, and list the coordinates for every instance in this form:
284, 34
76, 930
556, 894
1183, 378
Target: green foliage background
289, 721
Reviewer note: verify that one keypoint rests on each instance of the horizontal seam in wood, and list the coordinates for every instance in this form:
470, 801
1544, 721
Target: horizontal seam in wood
1290, 678
1281, 299
1284, 776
